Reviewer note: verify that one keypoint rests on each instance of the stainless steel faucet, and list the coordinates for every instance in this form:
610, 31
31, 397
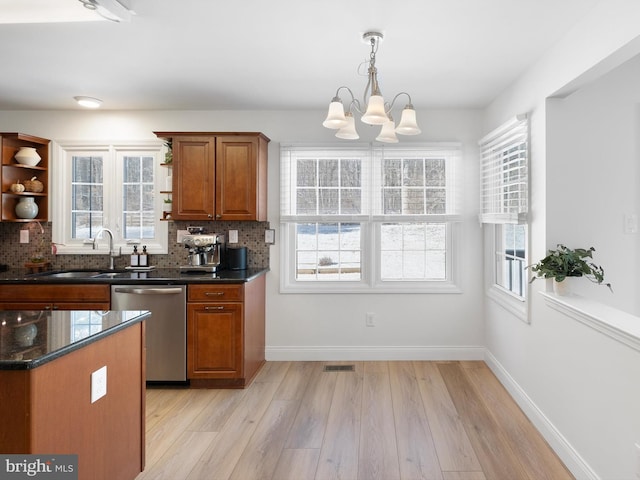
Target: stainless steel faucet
112, 253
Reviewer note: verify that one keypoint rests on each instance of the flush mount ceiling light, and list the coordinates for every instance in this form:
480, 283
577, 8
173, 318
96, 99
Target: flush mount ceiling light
88, 102
378, 111
114, 10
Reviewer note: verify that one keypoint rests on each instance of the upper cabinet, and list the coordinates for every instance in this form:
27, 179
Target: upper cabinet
25, 179
218, 176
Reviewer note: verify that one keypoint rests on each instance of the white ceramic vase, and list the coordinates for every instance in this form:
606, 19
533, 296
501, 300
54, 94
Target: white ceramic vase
26, 208
28, 156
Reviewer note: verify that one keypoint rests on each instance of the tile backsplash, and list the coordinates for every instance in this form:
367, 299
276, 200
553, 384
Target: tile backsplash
16, 254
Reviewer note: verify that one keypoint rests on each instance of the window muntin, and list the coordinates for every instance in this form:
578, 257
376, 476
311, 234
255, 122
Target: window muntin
368, 218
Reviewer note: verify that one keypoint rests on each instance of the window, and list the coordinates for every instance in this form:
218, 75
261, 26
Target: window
368, 219
110, 186
504, 202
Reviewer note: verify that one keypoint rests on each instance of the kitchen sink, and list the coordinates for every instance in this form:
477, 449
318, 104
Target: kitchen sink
78, 274
72, 274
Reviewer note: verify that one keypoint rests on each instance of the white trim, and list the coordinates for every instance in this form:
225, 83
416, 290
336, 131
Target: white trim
371, 353
514, 304
616, 324
569, 455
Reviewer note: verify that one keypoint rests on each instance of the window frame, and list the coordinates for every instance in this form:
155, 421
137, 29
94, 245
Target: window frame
495, 212
371, 220
113, 154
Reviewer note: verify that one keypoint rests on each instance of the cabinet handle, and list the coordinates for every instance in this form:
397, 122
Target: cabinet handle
214, 308
213, 294
209, 216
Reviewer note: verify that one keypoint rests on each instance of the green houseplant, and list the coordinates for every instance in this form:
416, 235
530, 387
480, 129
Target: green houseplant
566, 262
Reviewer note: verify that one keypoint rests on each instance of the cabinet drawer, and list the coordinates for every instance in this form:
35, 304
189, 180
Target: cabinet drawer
215, 293
55, 293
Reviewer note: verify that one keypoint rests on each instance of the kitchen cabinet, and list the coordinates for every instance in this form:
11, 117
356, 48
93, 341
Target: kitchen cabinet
13, 172
55, 297
218, 176
225, 333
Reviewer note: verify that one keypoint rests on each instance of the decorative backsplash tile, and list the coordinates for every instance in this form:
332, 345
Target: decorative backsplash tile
16, 254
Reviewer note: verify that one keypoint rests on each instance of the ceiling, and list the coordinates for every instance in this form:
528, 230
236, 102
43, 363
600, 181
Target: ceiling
277, 55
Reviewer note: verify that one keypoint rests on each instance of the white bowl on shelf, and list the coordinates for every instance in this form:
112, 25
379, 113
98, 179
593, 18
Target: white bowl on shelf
27, 156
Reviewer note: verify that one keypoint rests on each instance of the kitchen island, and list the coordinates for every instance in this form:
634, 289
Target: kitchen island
72, 382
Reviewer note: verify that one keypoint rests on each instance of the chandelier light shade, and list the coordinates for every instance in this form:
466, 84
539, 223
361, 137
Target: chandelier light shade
348, 132
114, 10
377, 112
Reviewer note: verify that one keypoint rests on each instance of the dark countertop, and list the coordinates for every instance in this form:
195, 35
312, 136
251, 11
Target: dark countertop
166, 276
30, 338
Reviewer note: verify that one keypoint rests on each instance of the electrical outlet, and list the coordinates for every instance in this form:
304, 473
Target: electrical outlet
233, 236
370, 319
24, 236
630, 223
181, 234
270, 236
98, 384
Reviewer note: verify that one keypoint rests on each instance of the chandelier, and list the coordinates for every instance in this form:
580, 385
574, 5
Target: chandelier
378, 111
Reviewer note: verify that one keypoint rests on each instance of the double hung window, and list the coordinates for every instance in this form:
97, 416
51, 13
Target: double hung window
504, 174
108, 186
368, 219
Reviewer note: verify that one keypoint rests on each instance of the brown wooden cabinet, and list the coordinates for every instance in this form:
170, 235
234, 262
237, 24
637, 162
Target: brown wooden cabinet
225, 333
218, 176
13, 172
55, 297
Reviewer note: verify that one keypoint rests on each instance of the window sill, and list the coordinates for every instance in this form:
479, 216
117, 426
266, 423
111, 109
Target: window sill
509, 302
616, 324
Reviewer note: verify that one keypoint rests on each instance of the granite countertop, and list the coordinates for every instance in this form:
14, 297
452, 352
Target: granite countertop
30, 338
129, 276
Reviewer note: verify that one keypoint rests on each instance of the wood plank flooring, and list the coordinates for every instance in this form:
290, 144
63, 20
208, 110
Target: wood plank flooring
382, 421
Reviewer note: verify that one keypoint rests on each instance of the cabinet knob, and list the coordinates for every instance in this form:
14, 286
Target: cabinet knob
209, 216
218, 216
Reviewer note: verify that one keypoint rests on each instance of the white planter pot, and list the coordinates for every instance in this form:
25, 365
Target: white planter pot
562, 288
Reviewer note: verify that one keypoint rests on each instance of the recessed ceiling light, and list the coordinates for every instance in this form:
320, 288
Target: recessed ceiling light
88, 102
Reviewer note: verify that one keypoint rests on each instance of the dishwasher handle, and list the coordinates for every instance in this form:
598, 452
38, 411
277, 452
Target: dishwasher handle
150, 291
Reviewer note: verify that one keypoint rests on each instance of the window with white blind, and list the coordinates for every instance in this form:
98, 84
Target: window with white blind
110, 186
368, 219
504, 191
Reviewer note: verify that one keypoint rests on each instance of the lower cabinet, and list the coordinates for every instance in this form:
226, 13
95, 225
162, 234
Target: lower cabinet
225, 333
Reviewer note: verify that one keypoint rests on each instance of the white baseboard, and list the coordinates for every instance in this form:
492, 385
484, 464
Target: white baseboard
379, 353
573, 461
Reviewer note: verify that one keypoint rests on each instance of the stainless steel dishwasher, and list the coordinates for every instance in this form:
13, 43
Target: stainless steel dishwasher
165, 331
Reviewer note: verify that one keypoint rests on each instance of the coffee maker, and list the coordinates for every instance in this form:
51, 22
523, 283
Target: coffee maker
205, 252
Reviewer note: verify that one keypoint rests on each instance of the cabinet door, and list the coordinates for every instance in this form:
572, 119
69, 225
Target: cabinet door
214, 340
193, 178
240, 178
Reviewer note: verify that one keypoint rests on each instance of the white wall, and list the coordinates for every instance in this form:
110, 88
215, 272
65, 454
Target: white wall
301, 326
579, 386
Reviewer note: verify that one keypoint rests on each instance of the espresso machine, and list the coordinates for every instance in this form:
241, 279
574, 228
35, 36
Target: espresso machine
205, 252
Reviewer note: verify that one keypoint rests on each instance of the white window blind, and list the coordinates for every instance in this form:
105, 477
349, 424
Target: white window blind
504, 173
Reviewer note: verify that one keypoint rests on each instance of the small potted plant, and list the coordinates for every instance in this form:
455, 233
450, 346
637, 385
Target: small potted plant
167, 204
566, 262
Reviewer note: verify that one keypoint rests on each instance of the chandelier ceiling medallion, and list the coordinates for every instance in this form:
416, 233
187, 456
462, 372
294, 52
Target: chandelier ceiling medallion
378, 111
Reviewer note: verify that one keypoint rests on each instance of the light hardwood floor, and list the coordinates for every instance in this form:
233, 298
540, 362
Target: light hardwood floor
384, 420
